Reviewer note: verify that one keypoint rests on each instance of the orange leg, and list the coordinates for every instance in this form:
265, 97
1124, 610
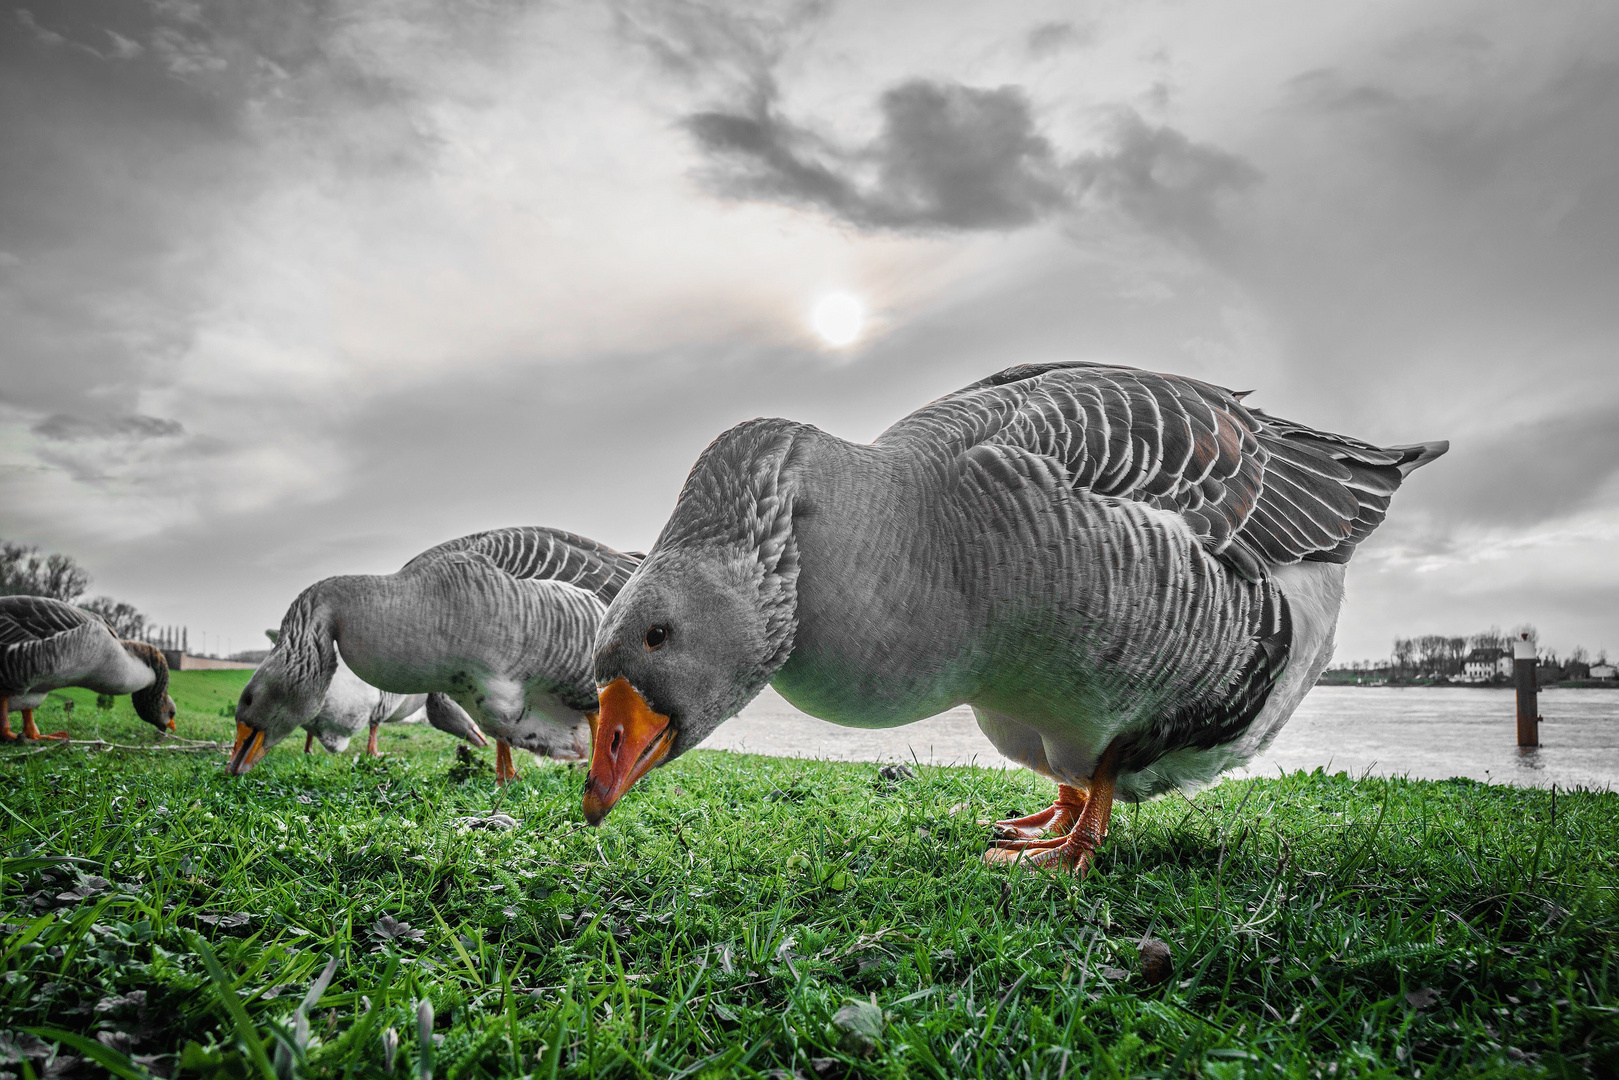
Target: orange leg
309, 743
1074, 851
5, 720
371, 743
1055, 820
29, 731
505, 770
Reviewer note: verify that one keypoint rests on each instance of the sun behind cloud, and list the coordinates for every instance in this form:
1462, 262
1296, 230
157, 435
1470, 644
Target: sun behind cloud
838, 317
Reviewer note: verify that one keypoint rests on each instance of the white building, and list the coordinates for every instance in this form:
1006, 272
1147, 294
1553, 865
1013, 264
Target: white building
1604, 671
1482, 665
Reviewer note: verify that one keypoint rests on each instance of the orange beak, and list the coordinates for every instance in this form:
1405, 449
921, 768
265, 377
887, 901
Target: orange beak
171, 723
628, 739
248, 750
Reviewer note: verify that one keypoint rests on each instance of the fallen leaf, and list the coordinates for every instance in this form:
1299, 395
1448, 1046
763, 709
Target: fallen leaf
861, 1025
1422, 997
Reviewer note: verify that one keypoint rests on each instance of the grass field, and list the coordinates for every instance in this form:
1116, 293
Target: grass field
733, 913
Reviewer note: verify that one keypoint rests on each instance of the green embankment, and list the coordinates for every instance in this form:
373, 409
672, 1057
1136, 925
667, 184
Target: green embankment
732, 906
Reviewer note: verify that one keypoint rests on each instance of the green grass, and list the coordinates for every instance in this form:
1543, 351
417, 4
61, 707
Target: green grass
1320, 926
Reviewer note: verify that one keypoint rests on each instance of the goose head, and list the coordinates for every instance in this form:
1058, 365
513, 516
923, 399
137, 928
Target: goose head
690, 641
153, 703
707, 618
285, 693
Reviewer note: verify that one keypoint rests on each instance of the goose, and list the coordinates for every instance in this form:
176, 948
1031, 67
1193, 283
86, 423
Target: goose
501, 622
352, 705
47, 644
1132, 578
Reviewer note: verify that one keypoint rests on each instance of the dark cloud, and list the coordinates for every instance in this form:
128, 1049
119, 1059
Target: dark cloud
954, 157
64, 428
948, 157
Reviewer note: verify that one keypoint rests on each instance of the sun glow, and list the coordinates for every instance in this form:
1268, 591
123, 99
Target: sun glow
838, 317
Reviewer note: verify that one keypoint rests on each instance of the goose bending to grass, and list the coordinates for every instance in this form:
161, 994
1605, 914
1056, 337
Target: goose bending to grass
1132, 578
352, 705
500, 622
46, 645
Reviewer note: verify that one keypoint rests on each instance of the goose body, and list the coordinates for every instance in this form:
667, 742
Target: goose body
352, 705
500, 622
47, 644
1132, 579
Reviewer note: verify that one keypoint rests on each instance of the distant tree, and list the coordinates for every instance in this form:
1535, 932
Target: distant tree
24, 571
126, 622
1492, 638
1404, 654
1579, 656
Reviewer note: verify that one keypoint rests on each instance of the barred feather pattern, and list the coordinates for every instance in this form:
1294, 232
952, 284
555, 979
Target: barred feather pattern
1091, 556
502, 621
1107, 616
738, 498
39, 635
1258, 491
534, 551
47, 644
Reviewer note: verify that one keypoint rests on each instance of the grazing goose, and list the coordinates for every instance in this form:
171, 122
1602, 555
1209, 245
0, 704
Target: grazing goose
352, 705
1132, 578
46, 644
501, 622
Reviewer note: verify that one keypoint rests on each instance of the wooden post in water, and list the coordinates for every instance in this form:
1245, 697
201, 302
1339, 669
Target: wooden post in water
1523, 670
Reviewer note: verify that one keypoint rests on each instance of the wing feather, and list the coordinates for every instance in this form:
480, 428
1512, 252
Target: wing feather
534, 552
1257, 490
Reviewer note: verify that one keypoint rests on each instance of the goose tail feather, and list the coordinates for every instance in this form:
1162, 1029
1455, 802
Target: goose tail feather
1416, 455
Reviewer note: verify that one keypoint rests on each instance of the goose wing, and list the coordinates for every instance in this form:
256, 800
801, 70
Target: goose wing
35, 631
1257, 490
534, 552
38, 618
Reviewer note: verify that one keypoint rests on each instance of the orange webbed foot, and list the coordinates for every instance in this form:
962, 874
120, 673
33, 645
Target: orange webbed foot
1055, 820
1075, 849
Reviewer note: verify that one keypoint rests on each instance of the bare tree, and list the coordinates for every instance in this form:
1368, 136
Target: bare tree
24, 571
126, 622
1405, 652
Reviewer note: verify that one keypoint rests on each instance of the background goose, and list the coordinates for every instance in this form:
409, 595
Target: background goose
46, 644
501, 622
1132, 578
353, 705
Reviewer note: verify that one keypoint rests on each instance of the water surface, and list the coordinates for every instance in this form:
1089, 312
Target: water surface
1423, 732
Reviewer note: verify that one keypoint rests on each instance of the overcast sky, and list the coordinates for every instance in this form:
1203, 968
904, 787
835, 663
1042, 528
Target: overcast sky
290, 290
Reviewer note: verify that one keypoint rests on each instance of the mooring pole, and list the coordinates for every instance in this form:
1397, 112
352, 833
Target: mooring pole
1523, 670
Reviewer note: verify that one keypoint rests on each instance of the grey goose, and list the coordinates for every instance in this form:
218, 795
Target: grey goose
501, 622
1132, 578
352, 705
47, 644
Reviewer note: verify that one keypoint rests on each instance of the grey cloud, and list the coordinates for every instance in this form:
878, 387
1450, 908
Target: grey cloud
1532, 473
948, 156
1160, 177
64, 428
954, 157
735, 44
1050, 38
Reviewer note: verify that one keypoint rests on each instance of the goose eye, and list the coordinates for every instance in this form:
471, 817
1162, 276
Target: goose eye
656, 636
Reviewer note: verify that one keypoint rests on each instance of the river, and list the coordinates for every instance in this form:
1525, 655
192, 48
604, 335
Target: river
1423, 732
